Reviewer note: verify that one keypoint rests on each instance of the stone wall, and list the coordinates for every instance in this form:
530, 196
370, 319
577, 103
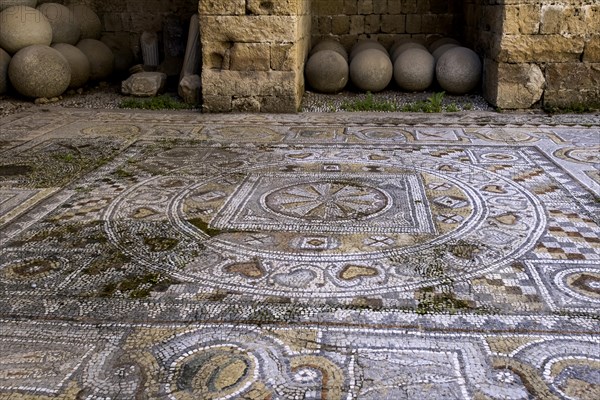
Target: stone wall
543, 51
534, 51
384, 20
127, 19
253, 54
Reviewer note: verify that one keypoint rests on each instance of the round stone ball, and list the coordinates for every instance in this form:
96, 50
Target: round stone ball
330, 44
400, 42
79, 63
414, 70
88, 22
365, 44
39, 71
101, 58
327, 71
10, 3
402, 48
371, 70
458, 70
22, 26
4, 62
62, 20
440, 42
442, 49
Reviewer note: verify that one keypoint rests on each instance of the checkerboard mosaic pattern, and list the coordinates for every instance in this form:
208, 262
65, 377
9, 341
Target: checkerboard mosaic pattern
178, 256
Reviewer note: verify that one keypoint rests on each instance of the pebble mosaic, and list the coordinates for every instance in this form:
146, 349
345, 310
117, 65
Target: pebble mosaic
310, 256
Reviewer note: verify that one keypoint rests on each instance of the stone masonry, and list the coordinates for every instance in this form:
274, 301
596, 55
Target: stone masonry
253, 54
537, 51
384, 20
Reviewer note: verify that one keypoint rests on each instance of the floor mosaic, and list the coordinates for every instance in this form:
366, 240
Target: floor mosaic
310, 256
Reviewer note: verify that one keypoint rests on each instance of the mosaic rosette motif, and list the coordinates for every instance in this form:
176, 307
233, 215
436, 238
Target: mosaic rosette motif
285, 221
340, 256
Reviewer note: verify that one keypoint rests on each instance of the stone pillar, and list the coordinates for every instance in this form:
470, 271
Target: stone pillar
546, 52
253, 54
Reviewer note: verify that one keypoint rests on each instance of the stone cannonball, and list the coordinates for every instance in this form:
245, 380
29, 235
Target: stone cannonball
365, 44
88, 21
101, 58
371, 70
9, 3
440, 42
414, 70
22, 26
62, 20
327, 71
458, 70
4, 62
79, 63
330, 44
39, 71
403, 47
400, 42
437, 53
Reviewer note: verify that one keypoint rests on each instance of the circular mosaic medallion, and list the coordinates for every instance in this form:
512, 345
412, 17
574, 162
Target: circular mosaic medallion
318, 224
326, 201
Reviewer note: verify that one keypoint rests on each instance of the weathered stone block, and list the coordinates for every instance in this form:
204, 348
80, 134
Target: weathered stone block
591, 52
255, 28
540, 48
357, 24
572, 76
563, 19
280, 104
248, 83
409, 6
222, 7
372, 23
216, 104
250, 57
365, 7
413, 23
279, 7
350, 7
285, 56
216, 55
144, 84
513, 86
328, 7
380, 6
592, 17
324, 25
340, 25
248, 104
394, 7
521, 19
393, 23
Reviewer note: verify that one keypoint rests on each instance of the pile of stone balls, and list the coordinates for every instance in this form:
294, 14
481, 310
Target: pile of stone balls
370, 66
48, 50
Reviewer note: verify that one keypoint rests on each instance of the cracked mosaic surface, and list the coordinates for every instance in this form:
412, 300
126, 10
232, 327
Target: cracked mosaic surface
183, 256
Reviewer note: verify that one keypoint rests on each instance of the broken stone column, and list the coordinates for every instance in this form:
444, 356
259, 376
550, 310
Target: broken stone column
191, 61
189, 79
149, 45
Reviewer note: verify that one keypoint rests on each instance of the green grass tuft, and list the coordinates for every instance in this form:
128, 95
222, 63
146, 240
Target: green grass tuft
368, 104
162, 102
